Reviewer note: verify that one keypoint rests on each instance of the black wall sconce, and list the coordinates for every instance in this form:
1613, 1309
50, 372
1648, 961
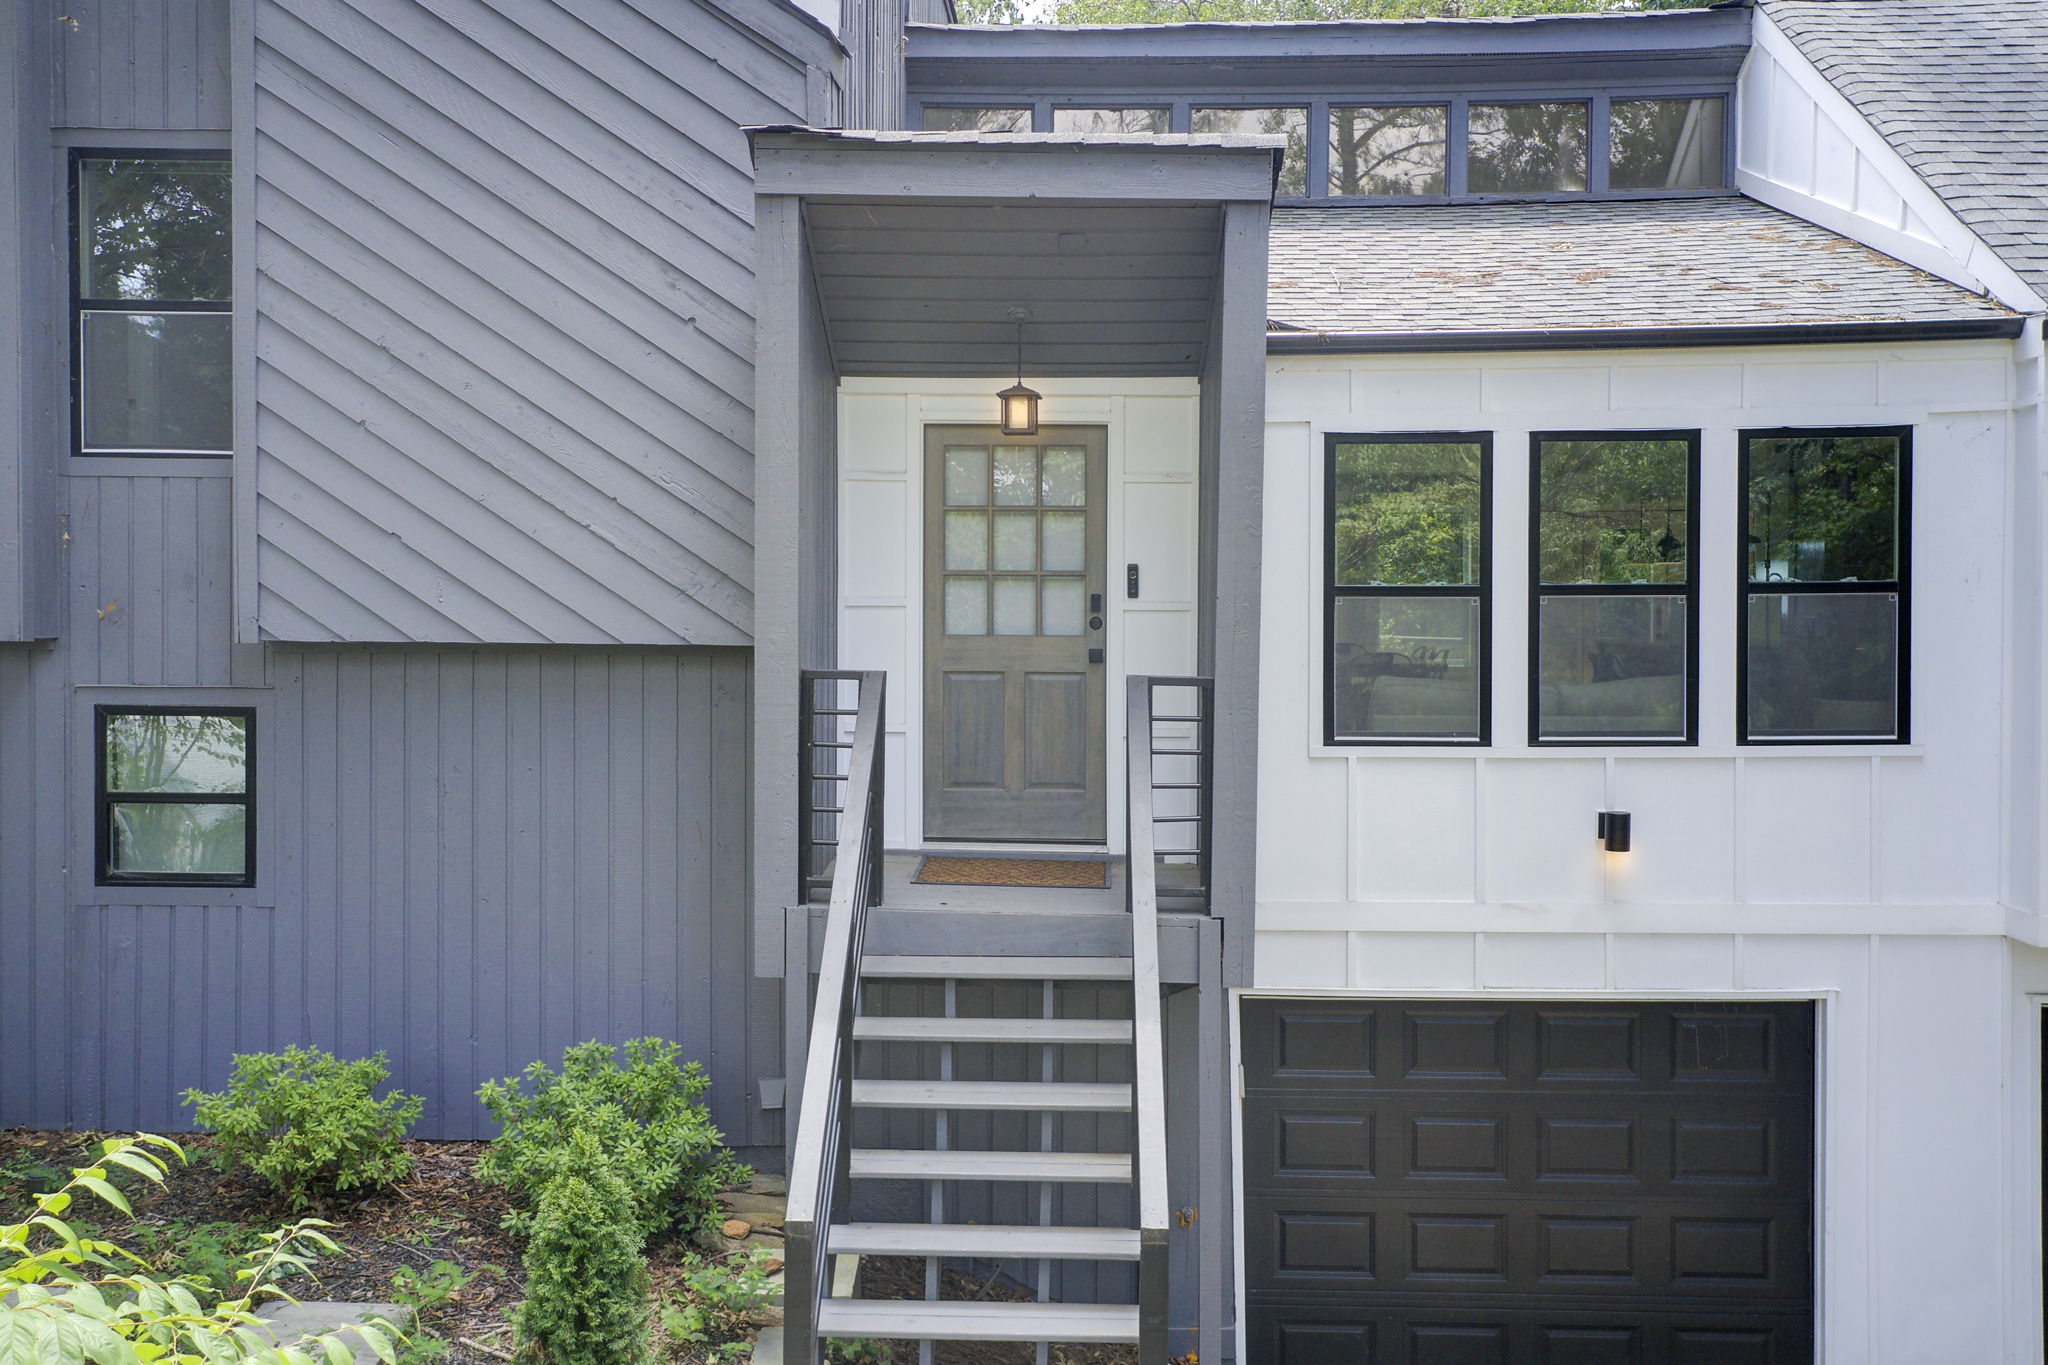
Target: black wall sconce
1614, 830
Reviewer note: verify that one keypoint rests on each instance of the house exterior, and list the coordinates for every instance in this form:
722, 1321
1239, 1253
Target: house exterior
1522, 581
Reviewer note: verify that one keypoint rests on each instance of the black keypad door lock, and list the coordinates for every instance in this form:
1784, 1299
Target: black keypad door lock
1130, 580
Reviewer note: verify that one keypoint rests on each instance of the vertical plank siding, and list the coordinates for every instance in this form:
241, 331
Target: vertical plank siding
471, 859
503, 317
155, 64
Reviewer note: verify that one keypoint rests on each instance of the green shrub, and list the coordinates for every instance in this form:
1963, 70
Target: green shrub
722, 1302
586, 1282
646, 1114
307, 1122
56, 1308
210, 1252
857, 1351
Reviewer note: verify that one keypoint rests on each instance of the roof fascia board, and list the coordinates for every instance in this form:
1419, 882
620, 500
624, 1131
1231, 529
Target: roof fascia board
820, 166
1674, 31
1959, 255
1641, 338
1235, 78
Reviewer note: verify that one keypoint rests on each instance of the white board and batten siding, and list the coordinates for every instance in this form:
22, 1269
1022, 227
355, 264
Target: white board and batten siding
1870, 879
1153, 514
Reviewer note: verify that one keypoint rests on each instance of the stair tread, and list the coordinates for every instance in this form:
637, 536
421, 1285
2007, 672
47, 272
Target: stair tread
998, 968
922, 1029
1096, 1096
928, 1321
983, 1239
1090, 1168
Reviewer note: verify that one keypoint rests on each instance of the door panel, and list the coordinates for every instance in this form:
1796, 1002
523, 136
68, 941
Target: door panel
1528, 1181
1015, 708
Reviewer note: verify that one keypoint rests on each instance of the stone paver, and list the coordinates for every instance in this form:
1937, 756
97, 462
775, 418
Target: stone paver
288, 1322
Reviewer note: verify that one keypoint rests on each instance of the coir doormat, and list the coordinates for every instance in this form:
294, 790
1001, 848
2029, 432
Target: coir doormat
944, 871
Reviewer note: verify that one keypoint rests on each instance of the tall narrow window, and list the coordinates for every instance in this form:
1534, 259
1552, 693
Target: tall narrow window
1613, 585
1405, 619
152, 333
1290, 123
1824, 625
173, 796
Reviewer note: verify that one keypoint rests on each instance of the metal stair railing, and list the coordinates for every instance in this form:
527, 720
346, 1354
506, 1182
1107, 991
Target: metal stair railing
819, 1180
1149, 1057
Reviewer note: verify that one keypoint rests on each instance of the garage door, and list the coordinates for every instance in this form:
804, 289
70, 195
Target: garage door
1528, 1182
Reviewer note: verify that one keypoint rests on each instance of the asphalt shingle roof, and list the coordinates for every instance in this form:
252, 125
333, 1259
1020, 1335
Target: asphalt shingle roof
1653, 263
1960, 89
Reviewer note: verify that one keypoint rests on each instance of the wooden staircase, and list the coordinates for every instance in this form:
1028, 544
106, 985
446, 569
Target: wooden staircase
1003, 1138
1026, 1252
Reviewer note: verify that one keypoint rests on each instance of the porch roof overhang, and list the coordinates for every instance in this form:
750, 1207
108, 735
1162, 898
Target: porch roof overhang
921, 244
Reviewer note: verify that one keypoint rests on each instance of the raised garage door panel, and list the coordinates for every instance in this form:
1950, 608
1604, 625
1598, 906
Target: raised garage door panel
1528, 1181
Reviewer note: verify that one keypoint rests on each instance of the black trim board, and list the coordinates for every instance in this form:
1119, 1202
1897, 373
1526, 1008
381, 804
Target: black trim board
1633, 338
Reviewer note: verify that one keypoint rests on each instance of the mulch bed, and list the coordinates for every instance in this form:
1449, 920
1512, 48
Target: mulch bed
440, 1213
902, 1277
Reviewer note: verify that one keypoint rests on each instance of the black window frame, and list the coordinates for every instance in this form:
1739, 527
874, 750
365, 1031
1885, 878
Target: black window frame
1902, 587
1482, 591
81, 305
104, 801
1538, 590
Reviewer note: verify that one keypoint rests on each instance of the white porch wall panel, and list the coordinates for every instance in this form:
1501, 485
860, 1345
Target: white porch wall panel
1154, 510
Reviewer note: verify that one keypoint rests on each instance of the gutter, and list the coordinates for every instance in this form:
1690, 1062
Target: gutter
1628, 338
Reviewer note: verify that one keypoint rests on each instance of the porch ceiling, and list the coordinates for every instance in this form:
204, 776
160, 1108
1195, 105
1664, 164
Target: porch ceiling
922, 287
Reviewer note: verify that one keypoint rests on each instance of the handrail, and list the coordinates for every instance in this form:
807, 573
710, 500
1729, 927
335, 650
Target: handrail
818, 1178
1149, 1052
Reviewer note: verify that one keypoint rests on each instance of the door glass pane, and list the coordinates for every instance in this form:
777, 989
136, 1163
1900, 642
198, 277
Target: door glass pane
941, 119
1405, 668
1526, 148
1289, 123
967, 606
1066, 538
1109, 120
1065, 476
1824, 509
1407, 513
1388, 150
156, 381
1016, 606
153, 228
966, 476
1016, 540
1665, 144
1016, 476
1064, 599
173, 836
1611, 666
153, 753
967, 540
1613, 511
1823, 665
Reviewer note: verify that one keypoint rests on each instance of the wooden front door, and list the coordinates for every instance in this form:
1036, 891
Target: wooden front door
1013, 693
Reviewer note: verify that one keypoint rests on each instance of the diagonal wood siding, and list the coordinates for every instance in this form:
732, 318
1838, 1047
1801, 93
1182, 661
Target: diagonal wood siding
503, 293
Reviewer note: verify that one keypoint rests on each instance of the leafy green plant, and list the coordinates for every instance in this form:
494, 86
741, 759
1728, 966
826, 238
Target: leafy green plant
647, 1113
722, 1301
586, 1282
857, 1351
426, 1291
58, 1308
308, 1122
211, 1252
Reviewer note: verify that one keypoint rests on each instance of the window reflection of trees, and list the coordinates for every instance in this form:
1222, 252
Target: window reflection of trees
1526, 148
1388, 151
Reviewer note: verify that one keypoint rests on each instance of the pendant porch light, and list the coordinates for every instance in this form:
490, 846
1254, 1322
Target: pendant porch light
1018, 404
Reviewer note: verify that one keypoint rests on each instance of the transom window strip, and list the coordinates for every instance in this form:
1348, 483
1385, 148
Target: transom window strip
1420, 148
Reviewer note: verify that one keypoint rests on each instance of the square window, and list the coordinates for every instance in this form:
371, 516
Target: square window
1388, 151
173, 794
1665, 144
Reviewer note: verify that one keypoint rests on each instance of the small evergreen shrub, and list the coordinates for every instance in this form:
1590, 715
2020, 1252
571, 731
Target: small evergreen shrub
586, 1282
309, 1124
647, 1114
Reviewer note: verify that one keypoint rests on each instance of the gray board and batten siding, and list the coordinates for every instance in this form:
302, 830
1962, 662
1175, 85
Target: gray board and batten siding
477, 845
